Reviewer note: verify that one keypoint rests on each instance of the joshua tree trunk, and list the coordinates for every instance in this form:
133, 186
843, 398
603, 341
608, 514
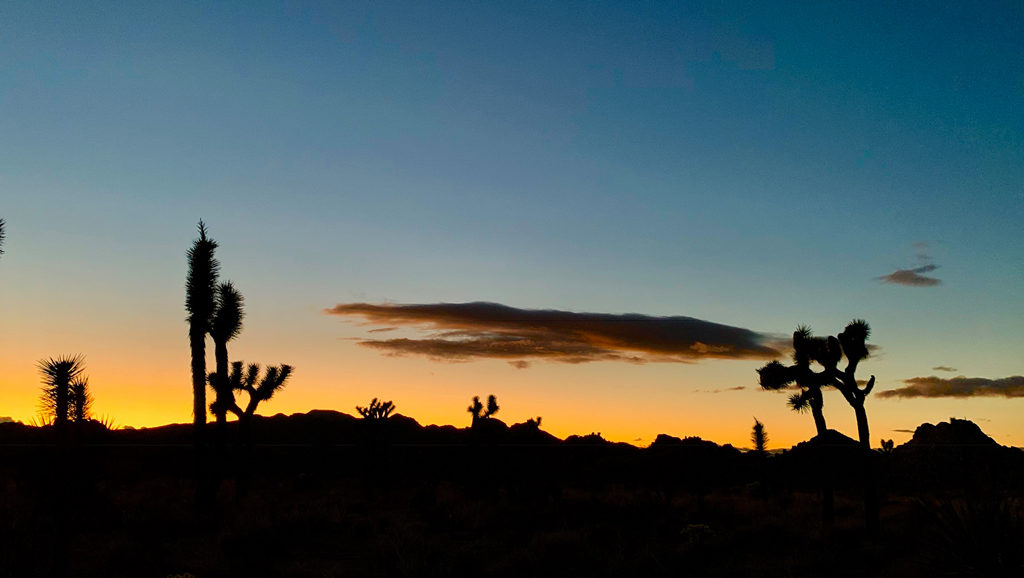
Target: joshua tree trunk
220, 352
862, 424
817, 405
197, 341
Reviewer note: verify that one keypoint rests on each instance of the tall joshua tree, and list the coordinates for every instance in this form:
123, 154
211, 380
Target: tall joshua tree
225, 326
852, 340
826, 352
3, 235
58, 375
200, 303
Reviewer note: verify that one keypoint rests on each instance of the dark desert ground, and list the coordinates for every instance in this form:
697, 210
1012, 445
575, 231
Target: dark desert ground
327, 494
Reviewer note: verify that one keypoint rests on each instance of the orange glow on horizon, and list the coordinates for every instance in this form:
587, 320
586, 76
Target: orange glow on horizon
143, 380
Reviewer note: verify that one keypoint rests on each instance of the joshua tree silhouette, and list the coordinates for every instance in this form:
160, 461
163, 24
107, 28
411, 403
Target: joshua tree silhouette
3, 236
376, 411
225, 326
852, 340
477, 408
81, 400
759, 436
259, 389
775, 376
58, 376
200, 303
827, 352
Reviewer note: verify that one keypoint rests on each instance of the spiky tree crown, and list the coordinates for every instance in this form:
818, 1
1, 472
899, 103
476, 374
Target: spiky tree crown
799, 402
774, 375
3, 236
801, 337
376, 410
203, 269
476, 407
273, 381
243, 380
61, 370
81, 400
759, 436
59, 373
229, 306
853, 339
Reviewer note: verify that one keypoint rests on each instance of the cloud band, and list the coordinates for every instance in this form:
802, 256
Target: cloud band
463, 331
959, 386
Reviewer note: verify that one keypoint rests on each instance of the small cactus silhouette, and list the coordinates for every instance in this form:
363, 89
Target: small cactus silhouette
760, 437
376, 411
478, 411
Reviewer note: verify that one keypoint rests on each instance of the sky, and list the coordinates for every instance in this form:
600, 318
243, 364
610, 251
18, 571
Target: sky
608, 214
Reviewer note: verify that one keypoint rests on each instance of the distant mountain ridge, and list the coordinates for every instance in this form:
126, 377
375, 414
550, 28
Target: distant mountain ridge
320, 426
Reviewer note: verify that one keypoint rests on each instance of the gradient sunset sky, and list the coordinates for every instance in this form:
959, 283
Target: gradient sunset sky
724, 172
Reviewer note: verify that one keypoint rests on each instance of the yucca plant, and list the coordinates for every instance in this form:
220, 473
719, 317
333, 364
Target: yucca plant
81, 400
3, 235
58, 374
476, 409
377, 410
759, 437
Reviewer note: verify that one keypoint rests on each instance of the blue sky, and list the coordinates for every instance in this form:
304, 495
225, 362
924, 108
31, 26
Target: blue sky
759, 166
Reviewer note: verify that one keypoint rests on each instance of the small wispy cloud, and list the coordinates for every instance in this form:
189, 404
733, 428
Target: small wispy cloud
912, 277
915, 276
464, 331
959, 386
945, 368
723, 390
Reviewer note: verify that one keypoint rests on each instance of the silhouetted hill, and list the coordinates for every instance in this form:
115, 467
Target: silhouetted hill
830, 457
955, 454
830, 439
959, 432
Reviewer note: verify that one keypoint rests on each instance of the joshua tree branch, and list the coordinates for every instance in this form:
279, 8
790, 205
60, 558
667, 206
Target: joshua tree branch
870, 385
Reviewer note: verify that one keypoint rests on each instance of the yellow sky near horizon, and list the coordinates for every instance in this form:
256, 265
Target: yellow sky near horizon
631, 403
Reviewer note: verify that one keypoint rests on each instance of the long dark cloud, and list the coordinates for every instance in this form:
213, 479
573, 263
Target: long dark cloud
945, 368
463, 331
912, 277
959, 386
